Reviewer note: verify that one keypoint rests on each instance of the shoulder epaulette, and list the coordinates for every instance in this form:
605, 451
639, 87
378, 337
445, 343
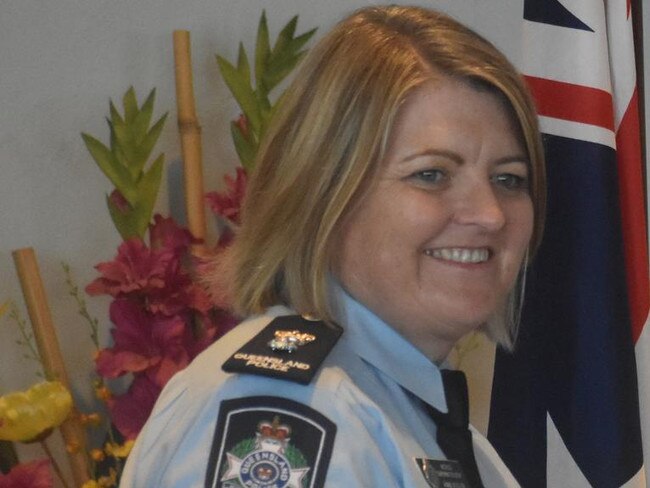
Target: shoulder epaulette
290, 347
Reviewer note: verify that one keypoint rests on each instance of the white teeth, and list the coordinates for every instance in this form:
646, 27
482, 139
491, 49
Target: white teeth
460, 255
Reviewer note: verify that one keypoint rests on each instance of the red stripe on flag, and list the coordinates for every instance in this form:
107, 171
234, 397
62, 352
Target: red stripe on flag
630, 177
577, 103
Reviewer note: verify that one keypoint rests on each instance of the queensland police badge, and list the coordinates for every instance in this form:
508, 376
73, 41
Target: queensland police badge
269, 442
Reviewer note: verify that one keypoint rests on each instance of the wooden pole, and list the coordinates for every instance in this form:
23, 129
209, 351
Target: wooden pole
48, 348
190, 132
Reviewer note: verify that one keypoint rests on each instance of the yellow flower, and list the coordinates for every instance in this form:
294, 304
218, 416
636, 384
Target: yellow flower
92, 419
110, 480
97, 455
90, 484
73, 447
103, 393
117, 450
25, 415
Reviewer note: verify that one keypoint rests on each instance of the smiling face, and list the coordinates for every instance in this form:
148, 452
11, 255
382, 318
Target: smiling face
437, 240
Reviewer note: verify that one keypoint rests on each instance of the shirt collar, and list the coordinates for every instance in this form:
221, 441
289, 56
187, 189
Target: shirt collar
382, 346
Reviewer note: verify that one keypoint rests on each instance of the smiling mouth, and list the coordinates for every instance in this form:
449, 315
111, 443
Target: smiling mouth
460, 255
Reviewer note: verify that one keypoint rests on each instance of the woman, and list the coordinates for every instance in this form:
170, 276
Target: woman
395, 201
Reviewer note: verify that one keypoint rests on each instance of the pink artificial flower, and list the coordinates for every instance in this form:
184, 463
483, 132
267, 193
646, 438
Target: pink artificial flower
162, 318
35, 474
153, 348
179, 294
144, 342
164, 233
155, 277
228, 204
135, 269
130, 411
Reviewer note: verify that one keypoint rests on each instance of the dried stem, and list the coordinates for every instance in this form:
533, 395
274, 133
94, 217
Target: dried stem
82, 308
55, 465
27, 340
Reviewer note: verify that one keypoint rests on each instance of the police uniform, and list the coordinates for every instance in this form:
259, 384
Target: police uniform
359, 419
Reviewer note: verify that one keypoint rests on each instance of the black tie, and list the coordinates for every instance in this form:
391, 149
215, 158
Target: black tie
453, 435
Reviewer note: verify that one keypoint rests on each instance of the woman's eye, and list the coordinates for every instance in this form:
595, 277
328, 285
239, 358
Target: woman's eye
430, 175
511, 181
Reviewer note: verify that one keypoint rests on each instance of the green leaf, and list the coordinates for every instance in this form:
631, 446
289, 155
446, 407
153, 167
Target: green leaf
298, 43
130, 104
272, 66
125, 150
131, 143
246, 150
243, 67
143, 151
291, 49
134, 222
266, 119
263, 104
242, 91
109, 165
116, 118
284, 59
143, 118
124, 222
281, 69
262, 51
122, 159
122, 139
130, 147
113, 140
148, 188
286, 34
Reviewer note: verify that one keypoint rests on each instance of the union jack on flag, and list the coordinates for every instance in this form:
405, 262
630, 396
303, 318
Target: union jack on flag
566, 405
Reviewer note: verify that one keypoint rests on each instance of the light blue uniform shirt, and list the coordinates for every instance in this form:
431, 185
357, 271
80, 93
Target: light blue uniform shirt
372, 385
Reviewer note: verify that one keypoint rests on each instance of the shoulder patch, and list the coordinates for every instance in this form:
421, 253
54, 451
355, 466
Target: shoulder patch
290, 347
269, 442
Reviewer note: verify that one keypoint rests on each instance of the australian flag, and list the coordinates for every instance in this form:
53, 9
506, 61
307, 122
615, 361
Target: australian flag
565, 406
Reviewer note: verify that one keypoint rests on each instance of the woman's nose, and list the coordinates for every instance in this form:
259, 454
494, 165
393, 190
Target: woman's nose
479, 205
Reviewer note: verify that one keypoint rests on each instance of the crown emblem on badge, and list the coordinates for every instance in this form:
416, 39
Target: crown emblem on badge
290, 340
267, 461
272, 436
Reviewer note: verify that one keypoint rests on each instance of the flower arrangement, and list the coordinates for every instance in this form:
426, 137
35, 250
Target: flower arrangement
161, 319
30, 417
161, 315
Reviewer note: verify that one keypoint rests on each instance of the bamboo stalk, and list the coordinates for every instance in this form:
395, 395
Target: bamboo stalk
48, 348
190, 132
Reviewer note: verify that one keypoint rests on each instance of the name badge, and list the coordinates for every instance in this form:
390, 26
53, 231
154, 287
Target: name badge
442, 473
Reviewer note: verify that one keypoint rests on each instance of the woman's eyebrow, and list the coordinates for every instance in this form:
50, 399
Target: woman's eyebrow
517, 158
458, 159
455, 157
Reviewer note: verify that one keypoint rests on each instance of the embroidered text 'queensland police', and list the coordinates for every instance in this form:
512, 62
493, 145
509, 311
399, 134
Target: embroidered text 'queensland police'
268, 362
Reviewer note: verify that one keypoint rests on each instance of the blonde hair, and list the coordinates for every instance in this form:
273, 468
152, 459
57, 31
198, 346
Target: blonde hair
330, 133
